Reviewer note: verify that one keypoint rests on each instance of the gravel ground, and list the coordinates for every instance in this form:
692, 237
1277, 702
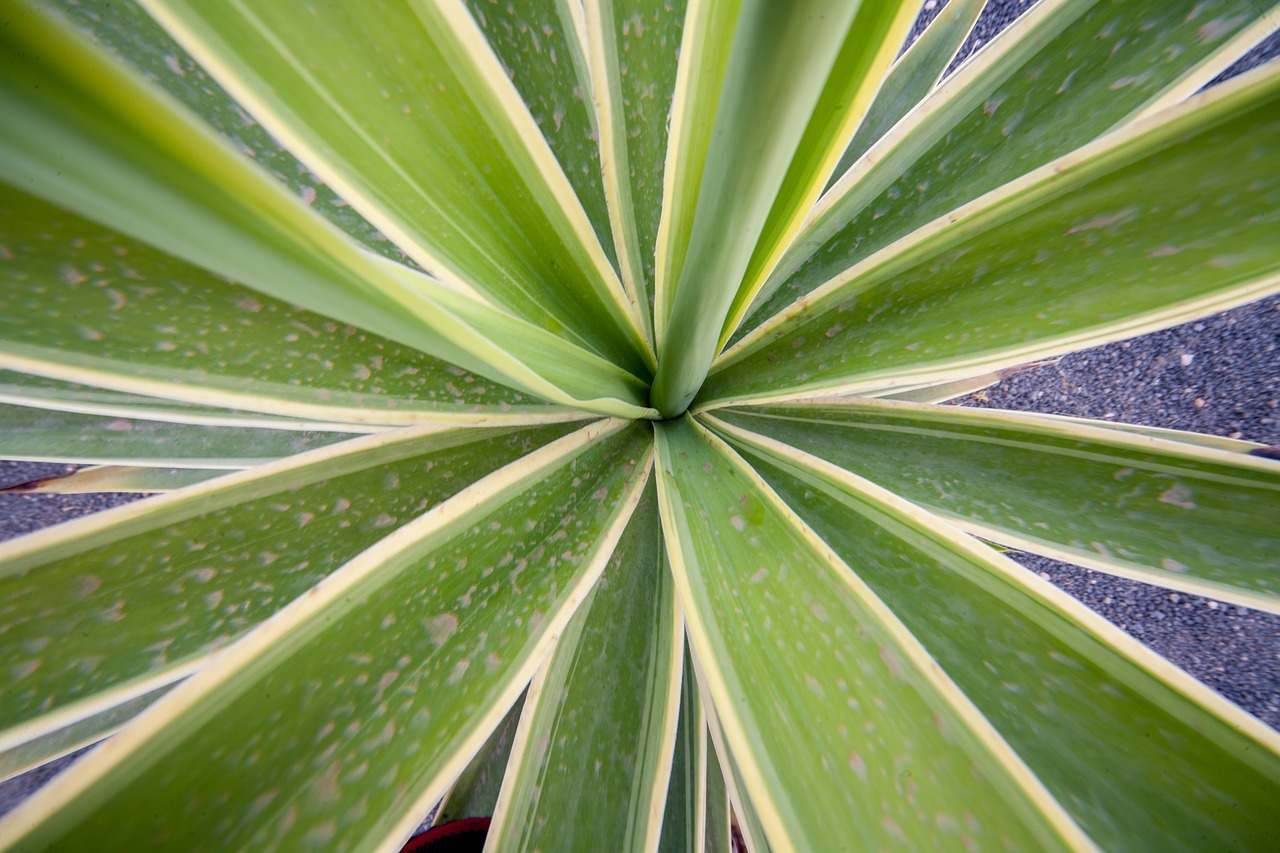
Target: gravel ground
1219, 375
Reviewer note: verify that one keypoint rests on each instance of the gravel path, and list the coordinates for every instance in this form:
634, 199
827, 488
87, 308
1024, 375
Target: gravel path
1219, 376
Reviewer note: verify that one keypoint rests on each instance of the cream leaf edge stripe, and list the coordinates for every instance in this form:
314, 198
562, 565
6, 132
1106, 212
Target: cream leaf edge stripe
855, 113
1015, 576
984, 63
614, 155
1164, 442
980, 65
34, 728
888, 381
97, 372
1031, 188
209, 58
698, 16
467, 33
1211, 66
327, 596
944, 688
504, 834
81, 534
53, 402
1056, 426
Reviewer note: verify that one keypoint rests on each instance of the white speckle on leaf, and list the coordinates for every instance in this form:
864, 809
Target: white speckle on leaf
440, 628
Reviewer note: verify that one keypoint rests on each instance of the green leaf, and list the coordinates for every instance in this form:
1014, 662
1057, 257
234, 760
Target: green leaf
80, 724
718, 836
855, 78
1179, 515
1073, 255
115, 311
1064, 74
368, 670
914, 74
140, 162
125, 29
705, 48
602, 708
1095, 715
792, 92
540, 48
24, 389
634, 45
853, 705
390, 254
116, 478
1218, 442
684, 814
475, 792
429, 141
41, 435
739, 812
93, 607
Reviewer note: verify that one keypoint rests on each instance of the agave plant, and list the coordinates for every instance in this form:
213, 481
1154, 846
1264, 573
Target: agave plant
542, 398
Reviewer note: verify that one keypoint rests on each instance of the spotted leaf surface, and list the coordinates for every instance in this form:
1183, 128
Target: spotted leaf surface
792, 90
1064, 75
378, 698
860, 708
540, 47
125, 29
350, 284
56, 395
1060, 683
1169, 513
143, 590
1077, 255
913, 75
44, 435
146, 166
634, 48
75, 295
456, 172
603, 704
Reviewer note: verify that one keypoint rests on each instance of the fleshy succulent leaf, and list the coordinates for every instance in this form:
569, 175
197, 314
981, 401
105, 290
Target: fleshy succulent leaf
864, 701
475, 792
141, 162
441, 128
375, 681
55, 395
604, 702
541, 47
718, 836
43, 435
94, 607
684, 817
119, 479
914, 74
1173, 513
1030, 657
634, 47
792, 90
349, 284
1067, 72
1071, 255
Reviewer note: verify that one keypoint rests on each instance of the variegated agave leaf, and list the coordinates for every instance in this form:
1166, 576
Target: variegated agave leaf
542, 396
